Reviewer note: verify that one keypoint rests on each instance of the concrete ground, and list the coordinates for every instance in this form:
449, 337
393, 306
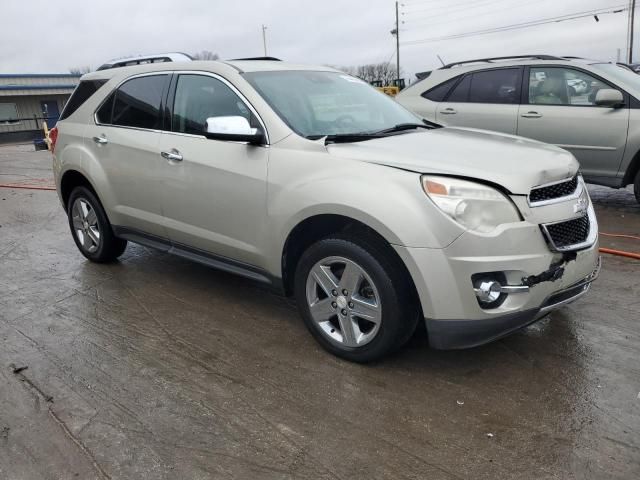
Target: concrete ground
158, 368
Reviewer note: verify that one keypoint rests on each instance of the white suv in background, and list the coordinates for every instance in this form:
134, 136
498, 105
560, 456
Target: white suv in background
588, 107
312, 182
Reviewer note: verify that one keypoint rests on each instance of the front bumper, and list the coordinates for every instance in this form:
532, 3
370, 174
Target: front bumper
443, 279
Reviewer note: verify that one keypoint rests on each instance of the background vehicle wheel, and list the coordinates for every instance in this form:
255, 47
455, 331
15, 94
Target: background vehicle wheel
636, 186
354, 299
90, 228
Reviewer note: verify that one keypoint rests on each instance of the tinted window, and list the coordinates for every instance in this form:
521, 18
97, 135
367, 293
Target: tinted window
437, 93
461, 92
495, 86
199, 97
137, 102
103, 115
81, 94
562, 86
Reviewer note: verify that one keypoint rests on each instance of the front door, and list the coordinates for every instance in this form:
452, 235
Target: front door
561, 110
214, 192
50, 112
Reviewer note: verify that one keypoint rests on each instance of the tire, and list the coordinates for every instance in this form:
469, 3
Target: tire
636, 186
376, 318
91, 229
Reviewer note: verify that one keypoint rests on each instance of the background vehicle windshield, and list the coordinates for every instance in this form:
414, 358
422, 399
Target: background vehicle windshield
621, 74
315, 104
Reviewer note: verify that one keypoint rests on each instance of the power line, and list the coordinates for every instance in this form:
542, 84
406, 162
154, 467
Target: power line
516, 26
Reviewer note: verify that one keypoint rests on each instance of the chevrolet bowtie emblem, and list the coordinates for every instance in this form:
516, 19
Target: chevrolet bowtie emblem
581, 205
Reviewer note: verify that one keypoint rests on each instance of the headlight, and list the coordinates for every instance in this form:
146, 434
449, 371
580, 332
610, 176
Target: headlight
473, 205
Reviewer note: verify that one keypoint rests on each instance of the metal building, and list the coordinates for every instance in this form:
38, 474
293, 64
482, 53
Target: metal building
26, 100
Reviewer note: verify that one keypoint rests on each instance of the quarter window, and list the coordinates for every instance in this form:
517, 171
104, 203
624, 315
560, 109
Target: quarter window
461, 92
437, 93
137, 102
562, 86
199, 97
81, 94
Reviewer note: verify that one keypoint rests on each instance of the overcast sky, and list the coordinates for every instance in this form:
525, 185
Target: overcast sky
45, 36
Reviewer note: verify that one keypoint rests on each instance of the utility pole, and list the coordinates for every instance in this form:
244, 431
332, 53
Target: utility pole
264, 39
632, 14
398, 44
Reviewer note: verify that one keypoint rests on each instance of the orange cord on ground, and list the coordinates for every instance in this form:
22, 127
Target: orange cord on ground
26, 187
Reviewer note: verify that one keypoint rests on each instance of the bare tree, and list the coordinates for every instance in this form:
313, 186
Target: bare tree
372, 71
205, 55
80, 70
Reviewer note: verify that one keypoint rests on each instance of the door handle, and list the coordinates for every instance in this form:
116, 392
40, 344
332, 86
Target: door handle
101, 140
172, 155
449, 111
531, 115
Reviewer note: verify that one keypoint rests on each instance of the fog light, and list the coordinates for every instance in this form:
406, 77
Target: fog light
489, 291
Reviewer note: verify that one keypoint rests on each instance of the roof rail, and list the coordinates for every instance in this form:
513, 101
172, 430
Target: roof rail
272, 59
143, 59
511, 57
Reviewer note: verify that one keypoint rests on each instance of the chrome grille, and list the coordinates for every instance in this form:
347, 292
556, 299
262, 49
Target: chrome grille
553, 191
564, 235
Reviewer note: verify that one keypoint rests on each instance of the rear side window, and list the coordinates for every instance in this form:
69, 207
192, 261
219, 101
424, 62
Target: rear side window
490, 86
437, 93
137, 103
81, 94
495, 86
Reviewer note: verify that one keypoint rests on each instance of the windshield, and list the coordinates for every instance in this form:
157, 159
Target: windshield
621, 74
317, 104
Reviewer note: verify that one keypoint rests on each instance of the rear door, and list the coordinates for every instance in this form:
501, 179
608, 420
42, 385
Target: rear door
125, 138
559, 108
485, 99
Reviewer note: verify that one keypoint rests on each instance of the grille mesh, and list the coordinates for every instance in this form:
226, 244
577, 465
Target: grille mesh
571, 232
557, 190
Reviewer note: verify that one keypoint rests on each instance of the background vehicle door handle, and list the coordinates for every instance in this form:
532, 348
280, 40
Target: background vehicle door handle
101, 140
449, 111
531, 115
172, 155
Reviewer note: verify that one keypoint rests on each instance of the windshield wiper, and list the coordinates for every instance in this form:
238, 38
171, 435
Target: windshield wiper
408, 126
350, 137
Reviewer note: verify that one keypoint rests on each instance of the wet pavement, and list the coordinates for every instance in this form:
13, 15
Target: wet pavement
155, 367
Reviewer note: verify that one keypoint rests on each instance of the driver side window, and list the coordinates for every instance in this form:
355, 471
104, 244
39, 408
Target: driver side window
199, 97
562, 86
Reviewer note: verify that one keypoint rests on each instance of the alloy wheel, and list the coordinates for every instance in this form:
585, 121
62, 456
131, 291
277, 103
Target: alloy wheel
85, 225
343, 301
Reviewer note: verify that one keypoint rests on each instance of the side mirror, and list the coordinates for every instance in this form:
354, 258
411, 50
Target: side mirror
608, 97
233, 128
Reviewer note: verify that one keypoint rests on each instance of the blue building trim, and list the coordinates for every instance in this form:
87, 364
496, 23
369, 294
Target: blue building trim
39, 75
36, 87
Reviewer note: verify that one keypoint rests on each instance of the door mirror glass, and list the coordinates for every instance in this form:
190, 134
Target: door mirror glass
234, 125
609, 97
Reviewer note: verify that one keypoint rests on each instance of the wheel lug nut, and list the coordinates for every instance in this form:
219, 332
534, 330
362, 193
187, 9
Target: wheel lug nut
334, 304
350, 304
334, 293
344, 312
344, 292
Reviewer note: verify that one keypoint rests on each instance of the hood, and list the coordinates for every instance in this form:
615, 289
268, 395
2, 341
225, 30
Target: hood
514, 163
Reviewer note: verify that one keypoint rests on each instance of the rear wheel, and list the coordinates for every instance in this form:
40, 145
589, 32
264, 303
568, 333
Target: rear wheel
91, 229
354, 299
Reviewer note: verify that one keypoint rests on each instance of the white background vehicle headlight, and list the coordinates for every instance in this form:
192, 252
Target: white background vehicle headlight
473, 205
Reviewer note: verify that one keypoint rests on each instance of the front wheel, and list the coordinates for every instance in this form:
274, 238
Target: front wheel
91, 229
355, 299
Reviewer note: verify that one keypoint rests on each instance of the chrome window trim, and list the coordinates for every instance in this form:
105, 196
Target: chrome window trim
591, 237
576, 194
182, 72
